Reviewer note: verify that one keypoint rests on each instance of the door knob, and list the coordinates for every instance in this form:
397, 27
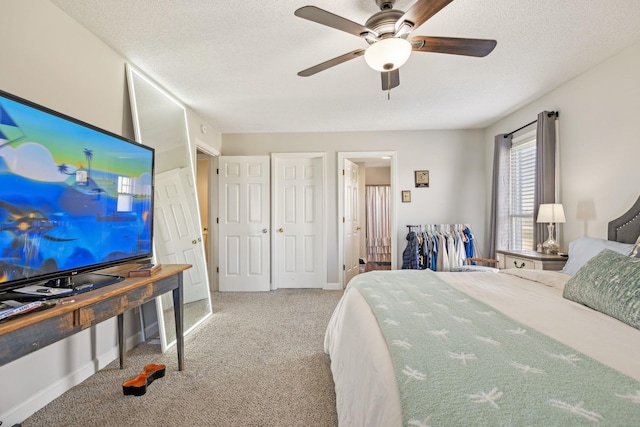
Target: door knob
280, 230
264, 230
358, 228
194, 241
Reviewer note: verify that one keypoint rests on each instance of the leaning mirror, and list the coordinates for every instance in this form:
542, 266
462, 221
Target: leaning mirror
160, 121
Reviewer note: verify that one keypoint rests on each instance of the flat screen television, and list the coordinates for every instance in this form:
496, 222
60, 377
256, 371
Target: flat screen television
73, 199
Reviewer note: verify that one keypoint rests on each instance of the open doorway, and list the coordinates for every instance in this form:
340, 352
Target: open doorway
205, 174
203, 163
355, 251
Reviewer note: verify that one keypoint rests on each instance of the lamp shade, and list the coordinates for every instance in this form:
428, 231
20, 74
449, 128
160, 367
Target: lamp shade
388, 54
551, 213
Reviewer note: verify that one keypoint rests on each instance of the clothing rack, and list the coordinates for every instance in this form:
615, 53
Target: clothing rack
437, 227
438, 247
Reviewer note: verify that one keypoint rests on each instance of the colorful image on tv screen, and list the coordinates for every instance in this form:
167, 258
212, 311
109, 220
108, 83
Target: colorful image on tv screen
71, 196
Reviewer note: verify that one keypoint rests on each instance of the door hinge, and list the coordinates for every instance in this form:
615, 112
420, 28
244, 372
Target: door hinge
217, 269
217, 171
218, 220
343, 267
343, 220
342, 172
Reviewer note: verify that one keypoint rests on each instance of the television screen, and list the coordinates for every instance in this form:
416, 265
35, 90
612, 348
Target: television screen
73, 198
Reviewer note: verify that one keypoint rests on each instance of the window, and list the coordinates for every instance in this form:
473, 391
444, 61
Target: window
521, 191
125, 191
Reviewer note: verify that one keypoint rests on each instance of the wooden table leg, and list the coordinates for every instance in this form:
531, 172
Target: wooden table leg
121, 339
178, 311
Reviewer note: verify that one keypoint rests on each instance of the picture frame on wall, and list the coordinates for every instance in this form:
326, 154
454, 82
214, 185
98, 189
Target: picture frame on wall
422, 178
406, 196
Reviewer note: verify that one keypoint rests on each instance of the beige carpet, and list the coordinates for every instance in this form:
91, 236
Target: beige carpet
258, 361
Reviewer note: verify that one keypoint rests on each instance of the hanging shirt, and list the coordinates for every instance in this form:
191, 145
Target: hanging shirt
410, 256
469, 244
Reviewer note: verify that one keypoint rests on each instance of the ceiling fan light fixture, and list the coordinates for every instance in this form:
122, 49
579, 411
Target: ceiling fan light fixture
388, 54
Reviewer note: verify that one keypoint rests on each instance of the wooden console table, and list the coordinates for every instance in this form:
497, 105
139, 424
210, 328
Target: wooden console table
33, 331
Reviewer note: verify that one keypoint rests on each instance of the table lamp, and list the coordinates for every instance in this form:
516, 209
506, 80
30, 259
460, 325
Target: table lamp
551, 213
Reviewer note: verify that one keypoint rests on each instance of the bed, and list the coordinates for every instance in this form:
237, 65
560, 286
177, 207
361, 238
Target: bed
518, 347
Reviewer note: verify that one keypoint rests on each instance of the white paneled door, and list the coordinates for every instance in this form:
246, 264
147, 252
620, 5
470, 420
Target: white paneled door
299, 222
179, 239
243, 245
350, 220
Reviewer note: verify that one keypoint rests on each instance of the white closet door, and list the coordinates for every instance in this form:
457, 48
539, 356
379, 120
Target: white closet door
299, 230
244, 246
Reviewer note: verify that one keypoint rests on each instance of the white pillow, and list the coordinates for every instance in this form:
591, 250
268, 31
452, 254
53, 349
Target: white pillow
585, 248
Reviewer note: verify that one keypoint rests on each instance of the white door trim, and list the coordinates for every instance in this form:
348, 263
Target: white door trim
392, 214
206, 148
274, 203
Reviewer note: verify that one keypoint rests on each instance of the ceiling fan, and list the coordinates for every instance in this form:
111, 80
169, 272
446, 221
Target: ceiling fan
387, 32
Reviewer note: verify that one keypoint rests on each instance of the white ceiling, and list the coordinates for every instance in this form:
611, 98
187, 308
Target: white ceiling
235, 62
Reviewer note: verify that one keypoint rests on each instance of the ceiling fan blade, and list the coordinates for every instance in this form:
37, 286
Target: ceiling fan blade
390, 79
453, 45
421, 11
329, 19
331, 63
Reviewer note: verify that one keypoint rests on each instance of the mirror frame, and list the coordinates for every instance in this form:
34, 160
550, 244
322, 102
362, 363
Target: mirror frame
164, 303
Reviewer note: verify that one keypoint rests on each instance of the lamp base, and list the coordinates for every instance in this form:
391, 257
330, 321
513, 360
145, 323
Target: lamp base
551, 246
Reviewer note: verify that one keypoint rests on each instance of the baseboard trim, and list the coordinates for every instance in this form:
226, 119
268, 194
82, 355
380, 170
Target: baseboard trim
40, 399
332, 287
56, 389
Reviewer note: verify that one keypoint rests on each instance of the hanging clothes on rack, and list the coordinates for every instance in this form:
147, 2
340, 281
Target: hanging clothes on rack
441, 247
469, 243
411, 254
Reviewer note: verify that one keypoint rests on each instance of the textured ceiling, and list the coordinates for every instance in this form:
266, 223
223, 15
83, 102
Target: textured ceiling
235, 62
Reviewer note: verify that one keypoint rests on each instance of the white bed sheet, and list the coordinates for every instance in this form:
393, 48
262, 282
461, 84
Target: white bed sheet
366, 391
365, 382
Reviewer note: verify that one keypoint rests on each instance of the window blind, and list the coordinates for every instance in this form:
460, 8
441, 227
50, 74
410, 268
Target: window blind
521, 193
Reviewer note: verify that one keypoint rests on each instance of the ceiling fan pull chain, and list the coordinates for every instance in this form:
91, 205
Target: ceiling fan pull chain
388, 86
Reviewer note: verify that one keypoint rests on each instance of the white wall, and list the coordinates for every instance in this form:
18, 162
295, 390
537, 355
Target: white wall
455, 160
51, 60
378, 176
599, 143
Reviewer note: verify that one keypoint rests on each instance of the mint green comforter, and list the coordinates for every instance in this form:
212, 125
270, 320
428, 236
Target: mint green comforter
458, 362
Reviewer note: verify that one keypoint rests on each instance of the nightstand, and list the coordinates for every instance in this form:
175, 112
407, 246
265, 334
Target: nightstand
530, 260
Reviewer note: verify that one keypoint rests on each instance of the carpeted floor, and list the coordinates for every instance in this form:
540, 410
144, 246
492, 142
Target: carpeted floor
258, 361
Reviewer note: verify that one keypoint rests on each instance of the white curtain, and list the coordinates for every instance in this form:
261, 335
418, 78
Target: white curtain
378, 233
